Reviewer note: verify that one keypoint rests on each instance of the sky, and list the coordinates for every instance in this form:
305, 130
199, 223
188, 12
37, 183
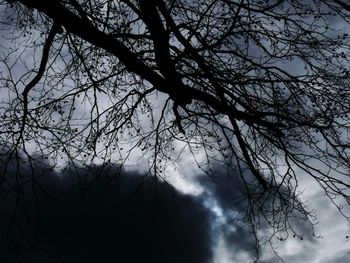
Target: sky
130, 218
107, 215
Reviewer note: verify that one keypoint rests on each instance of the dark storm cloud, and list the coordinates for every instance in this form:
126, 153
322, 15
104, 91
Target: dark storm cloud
104, 214
115, 217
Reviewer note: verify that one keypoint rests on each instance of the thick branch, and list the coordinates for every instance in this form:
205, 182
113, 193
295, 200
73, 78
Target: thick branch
179, 92
79, 27
159, 36
56, 28
246, 156
342, 4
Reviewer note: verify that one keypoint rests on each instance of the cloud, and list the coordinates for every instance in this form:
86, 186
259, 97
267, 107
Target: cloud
342, 257
105, 217
226, 191
104, 213
223, 192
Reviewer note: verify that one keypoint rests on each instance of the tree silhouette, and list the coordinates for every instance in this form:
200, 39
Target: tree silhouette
259, 85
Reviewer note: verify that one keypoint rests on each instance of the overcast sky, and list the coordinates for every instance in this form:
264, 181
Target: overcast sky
125, 217
135, 221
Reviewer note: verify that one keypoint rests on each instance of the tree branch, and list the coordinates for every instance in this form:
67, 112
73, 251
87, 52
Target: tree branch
56, 28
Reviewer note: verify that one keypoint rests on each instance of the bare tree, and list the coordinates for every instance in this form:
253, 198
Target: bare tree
262, 85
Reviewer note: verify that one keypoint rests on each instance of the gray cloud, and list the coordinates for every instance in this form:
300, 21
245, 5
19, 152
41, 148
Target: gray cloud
341, 257
227, 188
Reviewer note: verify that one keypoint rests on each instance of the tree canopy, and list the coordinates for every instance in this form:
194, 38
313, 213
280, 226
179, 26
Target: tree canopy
261, 86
